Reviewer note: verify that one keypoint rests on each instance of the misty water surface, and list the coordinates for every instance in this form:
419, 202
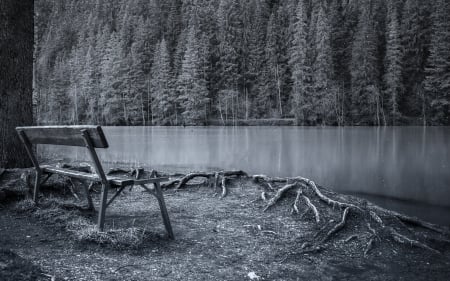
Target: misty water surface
409, 163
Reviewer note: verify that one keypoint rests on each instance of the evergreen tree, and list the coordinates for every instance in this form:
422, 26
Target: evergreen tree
324, 102
164, 99
110, 100
191, 86
415, 40
298, 62
366, 102
393, 68
437, 82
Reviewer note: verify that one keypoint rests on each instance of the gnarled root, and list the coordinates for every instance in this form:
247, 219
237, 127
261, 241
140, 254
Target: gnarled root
312, 207
213, 179
190, 176
278, 195
339, 225
324, 198
402, 239
224, 187
297, 198
369, 245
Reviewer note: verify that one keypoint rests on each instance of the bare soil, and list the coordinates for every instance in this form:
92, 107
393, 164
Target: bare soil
216, 238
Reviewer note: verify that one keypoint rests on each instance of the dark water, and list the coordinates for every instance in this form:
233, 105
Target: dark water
385, 164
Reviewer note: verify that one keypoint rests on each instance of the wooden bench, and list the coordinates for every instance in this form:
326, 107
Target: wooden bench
91, 137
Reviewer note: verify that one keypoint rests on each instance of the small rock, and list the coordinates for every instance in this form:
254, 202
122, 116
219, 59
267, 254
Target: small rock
252, 275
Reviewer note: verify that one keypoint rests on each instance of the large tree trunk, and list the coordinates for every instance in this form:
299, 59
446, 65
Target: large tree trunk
16, 73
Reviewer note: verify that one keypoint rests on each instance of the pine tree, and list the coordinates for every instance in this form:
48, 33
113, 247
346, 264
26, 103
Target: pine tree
164, 99
141, 52
393, 68
110, 97
437, 82
191, 86
324, 102
298, 62
366, 103
229, 68
415, 37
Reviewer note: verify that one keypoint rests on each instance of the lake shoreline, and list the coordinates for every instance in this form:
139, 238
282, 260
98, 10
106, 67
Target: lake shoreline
255, 228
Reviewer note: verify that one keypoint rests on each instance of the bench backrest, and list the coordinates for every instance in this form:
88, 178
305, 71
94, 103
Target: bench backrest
64, 135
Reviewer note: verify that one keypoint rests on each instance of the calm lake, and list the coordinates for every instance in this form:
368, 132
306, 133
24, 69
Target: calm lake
402, 168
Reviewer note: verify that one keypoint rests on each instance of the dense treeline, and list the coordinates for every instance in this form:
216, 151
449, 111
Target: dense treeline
334, 62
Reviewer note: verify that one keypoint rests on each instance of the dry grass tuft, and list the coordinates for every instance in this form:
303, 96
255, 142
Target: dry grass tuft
122, 238
25, 206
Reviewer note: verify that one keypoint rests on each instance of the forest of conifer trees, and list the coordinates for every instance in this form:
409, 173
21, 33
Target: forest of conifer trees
173, 62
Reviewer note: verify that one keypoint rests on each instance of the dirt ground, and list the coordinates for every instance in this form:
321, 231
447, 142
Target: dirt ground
216, 238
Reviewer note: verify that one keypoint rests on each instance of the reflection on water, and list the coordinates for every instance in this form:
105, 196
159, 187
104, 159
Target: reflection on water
401, 162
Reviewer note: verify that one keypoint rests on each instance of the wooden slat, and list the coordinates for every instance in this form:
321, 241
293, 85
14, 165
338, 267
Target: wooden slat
152, 180
86, 176
64, 135
117, 181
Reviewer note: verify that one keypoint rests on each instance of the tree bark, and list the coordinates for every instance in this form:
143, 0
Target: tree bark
16, 78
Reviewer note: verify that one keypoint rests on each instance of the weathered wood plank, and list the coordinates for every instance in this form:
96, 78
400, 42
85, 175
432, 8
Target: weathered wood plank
116, 181
86, 176
64, 135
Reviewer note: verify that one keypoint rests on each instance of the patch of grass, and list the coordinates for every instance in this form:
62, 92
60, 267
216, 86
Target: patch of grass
59, 212
25, 206
122, 238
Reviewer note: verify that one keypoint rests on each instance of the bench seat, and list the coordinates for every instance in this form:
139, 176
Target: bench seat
115, 181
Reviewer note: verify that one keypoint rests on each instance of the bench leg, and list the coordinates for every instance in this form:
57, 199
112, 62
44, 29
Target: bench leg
101, 215
164, 213
37, 181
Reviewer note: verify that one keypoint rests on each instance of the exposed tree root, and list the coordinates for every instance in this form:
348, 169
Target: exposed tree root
312, 207
324, 198
278, 195
189, 177
373, 223
297, 198
214, 179
339, 225
409, 220
224, 187
72, 188
405, 240
369, 245
264, 196
350, 238
264, 179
